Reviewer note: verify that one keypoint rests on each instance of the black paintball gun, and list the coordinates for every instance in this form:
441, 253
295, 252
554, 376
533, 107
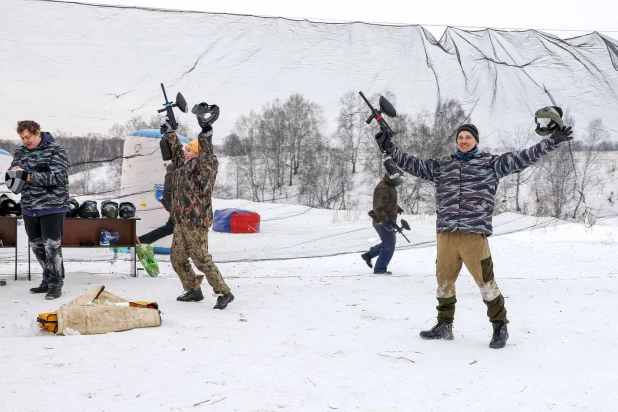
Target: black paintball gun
387, 108
181, 103
399, 229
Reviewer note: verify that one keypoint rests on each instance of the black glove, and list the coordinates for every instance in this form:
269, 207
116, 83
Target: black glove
383, 141
203, 124
400, 210
562, 135
164, 126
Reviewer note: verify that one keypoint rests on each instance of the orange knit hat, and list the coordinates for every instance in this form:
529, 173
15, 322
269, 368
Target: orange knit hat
193, 146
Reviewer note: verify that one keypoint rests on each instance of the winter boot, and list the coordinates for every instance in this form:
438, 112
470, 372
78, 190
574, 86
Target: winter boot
386, 272
367, 258
223, 300
54, 292
501, 335
191, 296
42, 288
442, 330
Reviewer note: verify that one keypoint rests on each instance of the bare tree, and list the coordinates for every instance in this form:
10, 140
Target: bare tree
232, 146
352, 130
555, 182
326, 182
274, 140
303, 120
250, 170
518, 140
588, 177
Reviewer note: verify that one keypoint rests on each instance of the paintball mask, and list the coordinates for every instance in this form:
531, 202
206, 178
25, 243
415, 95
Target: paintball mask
548, 120
206, 114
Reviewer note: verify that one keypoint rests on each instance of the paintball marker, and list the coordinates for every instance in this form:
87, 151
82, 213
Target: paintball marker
387, 108
399, 229
181, 103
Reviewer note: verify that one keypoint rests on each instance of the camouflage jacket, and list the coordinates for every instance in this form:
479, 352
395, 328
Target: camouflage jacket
384, 202
192, 184
48, 189
466, 188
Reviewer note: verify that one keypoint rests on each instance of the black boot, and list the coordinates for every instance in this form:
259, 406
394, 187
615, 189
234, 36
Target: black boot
367, 258
54, 292
442, 330
191, 296
501, 335
42, 288
223, 300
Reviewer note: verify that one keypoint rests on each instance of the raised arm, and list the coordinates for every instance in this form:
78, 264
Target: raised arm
512, 162
427, 169
207, 163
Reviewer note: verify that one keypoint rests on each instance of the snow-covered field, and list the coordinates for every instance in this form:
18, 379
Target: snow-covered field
312, 329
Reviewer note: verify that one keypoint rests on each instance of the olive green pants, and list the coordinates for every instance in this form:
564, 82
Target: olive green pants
472, 250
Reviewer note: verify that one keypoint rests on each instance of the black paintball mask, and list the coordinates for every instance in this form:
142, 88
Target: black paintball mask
548, 120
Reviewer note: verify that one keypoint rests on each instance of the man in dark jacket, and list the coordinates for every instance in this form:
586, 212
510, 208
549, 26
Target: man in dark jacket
385, 210
166, 201
192, 184
44, 201
466, 184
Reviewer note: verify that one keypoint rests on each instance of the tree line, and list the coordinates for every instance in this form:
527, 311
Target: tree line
282, 152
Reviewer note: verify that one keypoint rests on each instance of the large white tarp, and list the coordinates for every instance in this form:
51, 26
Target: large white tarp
82, 68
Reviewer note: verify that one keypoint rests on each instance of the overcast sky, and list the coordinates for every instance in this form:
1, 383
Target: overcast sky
575, 17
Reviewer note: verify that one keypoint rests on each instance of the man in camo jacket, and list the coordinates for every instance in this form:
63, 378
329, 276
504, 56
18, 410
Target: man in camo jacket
466, 184
192, 184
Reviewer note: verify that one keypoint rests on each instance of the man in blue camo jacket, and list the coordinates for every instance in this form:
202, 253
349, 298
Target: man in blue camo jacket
466, 184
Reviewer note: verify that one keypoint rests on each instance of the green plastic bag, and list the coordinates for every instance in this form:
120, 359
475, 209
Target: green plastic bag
146, 257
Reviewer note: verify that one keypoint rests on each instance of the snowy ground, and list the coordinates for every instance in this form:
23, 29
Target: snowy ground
323, 333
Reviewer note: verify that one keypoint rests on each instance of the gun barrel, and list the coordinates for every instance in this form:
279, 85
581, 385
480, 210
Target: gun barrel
164, 94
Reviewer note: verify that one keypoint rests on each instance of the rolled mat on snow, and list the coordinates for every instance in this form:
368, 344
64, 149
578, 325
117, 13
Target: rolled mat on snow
97, 312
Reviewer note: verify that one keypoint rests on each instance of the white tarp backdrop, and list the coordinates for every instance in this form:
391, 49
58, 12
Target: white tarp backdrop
82, 68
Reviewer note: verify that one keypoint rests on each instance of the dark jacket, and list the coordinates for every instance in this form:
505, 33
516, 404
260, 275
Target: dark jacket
166, 199
48, 190
385, 202
466, 187
192, 183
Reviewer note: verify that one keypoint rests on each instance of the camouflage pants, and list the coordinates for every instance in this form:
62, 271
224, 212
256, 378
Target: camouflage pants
472, 250
192, 242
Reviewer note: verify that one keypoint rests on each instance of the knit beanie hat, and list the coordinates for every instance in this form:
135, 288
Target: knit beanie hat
468, 128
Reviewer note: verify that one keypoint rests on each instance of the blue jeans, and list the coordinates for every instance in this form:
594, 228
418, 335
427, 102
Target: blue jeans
385, 250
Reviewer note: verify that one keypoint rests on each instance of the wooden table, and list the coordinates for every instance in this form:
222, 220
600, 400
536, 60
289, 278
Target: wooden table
77, 230
8, 234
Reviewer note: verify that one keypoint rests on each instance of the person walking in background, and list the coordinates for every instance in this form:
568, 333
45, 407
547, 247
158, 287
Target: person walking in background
385, 210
